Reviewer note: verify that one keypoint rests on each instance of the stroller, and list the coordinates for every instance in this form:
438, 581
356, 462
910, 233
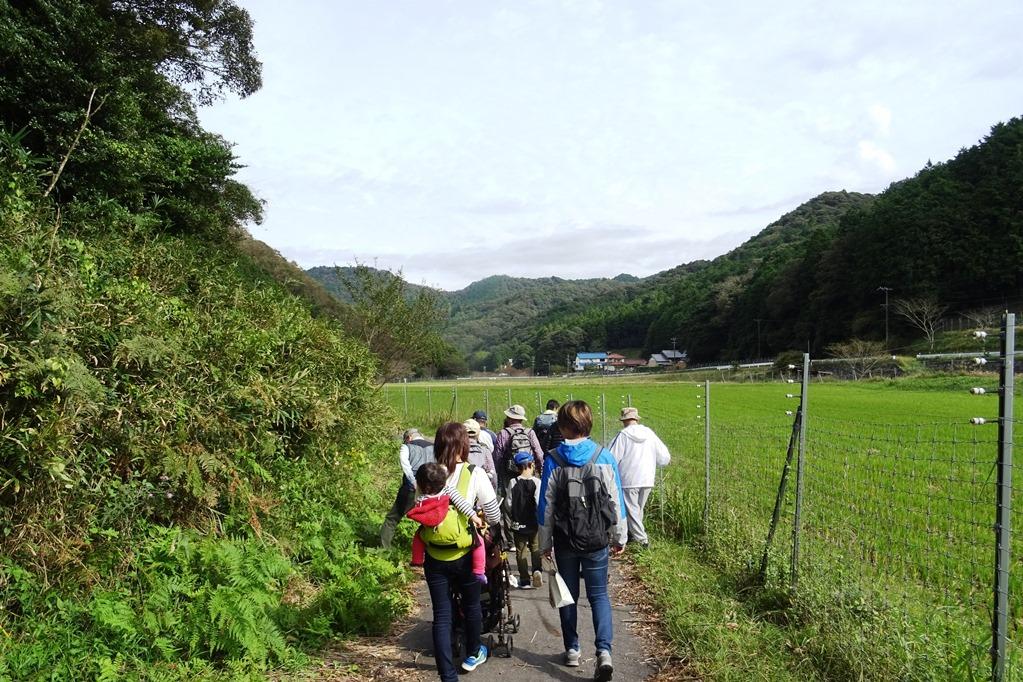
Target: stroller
499, 619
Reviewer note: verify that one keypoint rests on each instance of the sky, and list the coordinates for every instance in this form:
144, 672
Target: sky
457, 139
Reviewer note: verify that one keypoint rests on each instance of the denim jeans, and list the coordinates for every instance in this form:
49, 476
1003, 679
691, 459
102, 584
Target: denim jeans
443, 578
593, 568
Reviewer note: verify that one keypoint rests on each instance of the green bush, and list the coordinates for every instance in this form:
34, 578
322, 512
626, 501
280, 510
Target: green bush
187, 454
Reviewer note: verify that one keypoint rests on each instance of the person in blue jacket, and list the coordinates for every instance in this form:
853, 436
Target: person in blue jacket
575, 419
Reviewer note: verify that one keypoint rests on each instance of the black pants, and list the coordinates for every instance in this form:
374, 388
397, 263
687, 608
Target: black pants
443, 578
403, 501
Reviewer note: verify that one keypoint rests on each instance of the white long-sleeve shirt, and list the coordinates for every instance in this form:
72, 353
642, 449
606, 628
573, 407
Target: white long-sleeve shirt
639, 452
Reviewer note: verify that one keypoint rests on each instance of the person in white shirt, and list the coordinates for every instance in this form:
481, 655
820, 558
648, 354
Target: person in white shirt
639, 452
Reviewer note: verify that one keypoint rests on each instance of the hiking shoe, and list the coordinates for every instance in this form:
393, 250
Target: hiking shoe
524, 584
604, 667
572, 658
476, 660
537, 579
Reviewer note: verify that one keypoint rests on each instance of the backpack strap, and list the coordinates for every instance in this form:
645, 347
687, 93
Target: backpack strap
553, 454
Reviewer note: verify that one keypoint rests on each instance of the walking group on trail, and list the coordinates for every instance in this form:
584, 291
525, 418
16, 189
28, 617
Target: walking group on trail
476, 494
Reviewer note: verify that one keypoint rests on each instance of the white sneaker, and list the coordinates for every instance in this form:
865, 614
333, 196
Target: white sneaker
604, 667
572, 658
537, 579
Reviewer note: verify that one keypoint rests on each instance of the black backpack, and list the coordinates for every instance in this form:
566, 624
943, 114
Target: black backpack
523, 504
583, 510
517, 442
547, 432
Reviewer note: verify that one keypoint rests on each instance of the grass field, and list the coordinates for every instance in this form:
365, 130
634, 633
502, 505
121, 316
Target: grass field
896, 548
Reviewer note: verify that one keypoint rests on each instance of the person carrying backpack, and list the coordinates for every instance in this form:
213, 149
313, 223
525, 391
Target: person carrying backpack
546, 427
581, 517
513, 438
448, 566
521, 502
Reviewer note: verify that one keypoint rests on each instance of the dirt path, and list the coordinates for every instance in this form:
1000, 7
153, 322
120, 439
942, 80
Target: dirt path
537, 652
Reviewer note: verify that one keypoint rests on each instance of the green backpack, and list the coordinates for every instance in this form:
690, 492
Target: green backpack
451, 539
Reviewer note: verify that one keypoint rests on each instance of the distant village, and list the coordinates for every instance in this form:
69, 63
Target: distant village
613, 362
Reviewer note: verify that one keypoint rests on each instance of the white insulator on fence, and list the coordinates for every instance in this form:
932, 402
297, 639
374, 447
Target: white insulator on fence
980, 361
979, 334
791, 395
791, 381
978, 421
977, 390
789, 412
792, 366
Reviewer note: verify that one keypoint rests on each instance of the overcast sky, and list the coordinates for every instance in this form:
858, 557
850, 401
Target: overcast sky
464, 138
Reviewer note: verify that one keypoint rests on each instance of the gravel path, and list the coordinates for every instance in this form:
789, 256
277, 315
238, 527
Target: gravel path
538, 649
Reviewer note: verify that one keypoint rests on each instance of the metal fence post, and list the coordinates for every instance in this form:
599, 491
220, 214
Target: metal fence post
1003, 513
486, 397
509, 398
539, 409
429, 402
706, 454
603, 419
454, 401
405, 393
798, 518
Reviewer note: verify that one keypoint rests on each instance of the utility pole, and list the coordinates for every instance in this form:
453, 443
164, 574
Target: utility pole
885, 290
674, 343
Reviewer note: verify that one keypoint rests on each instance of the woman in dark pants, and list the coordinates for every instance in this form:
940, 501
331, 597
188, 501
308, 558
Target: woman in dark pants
449, 569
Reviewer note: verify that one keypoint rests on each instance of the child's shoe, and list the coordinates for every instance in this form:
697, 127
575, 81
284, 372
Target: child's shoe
476, 660
537, 579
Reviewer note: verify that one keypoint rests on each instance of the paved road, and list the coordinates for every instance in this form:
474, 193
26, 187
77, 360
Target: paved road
538, 649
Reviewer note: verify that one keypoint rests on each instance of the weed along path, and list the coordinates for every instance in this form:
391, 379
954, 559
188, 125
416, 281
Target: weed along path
537, 651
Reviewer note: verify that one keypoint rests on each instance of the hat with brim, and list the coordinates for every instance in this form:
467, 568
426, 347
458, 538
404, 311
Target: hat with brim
523, 458
472, 426
515, 412
480, 416
629, 413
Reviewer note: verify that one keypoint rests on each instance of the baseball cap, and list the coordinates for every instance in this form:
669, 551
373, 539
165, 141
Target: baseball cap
480, 415
523, 457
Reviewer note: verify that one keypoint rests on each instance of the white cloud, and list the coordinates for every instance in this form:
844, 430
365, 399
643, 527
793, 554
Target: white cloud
882, 118
870, 151
403, 128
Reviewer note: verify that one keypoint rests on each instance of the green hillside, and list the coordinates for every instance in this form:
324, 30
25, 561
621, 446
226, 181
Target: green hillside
951, 235
185, 444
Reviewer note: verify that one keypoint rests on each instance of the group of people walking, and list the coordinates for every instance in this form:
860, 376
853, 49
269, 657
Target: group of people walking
584, 508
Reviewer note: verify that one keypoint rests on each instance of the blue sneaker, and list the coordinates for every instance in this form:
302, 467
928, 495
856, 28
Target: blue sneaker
475, 661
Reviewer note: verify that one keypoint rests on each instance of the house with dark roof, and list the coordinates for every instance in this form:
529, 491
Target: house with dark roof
669, 358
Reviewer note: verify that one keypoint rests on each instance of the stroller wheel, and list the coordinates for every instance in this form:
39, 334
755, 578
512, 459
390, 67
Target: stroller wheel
490, 642
510, 647
515, 623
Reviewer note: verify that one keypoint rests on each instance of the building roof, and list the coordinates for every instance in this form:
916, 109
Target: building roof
591, 356
674, 354
659, 358
615, 356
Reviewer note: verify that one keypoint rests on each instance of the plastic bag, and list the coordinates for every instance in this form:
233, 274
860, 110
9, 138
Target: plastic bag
558, 589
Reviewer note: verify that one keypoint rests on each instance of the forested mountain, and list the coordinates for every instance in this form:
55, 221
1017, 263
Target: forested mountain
952, 235
496, 312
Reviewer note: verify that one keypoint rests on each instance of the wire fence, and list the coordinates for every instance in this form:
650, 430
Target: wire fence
887, 525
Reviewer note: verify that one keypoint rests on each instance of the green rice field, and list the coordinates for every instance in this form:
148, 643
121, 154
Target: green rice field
897, 546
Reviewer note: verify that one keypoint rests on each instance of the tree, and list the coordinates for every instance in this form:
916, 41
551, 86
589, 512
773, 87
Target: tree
399, 329
136, 70
922, 313
860, 356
